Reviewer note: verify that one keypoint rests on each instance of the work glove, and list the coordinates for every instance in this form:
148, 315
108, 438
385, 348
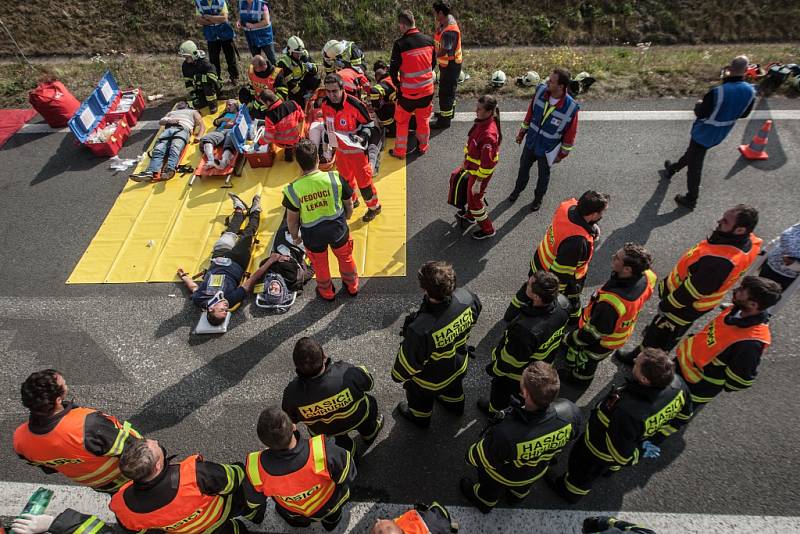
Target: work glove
651, 450
357, 139
32, 524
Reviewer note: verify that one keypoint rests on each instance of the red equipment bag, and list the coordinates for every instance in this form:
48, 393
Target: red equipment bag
54, 102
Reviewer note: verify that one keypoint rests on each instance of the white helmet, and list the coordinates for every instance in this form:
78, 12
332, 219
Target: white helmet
529, 79
498, 78
333, 48
295, 44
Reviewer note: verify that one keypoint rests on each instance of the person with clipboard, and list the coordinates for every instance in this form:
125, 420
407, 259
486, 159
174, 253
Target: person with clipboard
549, 131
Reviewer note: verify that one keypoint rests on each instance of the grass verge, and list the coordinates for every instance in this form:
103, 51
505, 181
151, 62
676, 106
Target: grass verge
622, 72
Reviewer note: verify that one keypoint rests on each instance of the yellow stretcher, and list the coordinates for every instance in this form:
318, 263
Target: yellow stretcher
152, 229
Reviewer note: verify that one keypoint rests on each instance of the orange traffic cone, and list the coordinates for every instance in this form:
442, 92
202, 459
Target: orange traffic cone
757, 147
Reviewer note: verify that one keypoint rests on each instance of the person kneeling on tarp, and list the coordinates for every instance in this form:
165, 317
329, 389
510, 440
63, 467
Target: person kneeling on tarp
283, 122
179, 124
222, 289
221, 137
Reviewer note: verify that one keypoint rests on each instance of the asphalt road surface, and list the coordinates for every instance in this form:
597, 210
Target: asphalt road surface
128, 349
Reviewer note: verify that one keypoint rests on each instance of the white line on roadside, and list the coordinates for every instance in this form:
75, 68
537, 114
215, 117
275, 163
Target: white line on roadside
462, 116
471, 521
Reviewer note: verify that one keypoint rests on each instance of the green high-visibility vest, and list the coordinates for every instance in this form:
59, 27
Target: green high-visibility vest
317, 196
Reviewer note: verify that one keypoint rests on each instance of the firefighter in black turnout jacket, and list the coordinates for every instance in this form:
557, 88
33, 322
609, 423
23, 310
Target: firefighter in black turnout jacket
516, 449
535, 334
331, 398
642, 408
433, 357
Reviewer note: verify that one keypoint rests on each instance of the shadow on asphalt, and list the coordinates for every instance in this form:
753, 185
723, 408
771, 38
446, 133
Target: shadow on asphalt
647, 220
64, 161
777, 156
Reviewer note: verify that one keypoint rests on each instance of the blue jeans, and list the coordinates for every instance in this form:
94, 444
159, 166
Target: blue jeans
526, 161
172, 139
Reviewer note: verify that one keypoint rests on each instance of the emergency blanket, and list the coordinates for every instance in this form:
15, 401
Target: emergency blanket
152, 229
11, 120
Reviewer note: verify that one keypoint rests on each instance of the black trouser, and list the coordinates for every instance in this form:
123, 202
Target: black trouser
241, 251
526, 161
329, 522
768, 272
420, 400
489, 490
582, 470
368, 428
448, 83
693, 159
214, 48
664, 334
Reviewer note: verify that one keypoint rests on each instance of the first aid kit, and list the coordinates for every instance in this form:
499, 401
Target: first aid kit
99, 124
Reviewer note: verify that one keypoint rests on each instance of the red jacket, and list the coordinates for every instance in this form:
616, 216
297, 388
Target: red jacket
345, 118
482, 149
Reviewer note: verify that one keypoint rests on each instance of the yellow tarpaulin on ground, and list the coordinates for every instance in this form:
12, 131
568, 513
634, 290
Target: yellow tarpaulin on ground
153, 229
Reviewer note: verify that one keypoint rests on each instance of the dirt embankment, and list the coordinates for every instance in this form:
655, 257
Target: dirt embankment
44, 27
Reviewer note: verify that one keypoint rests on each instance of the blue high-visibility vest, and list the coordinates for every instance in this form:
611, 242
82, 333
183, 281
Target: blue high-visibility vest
731, 99
215, 32
544, 133
253, 14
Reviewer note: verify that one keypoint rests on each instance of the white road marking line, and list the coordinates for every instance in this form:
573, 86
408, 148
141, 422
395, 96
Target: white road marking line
470, 520
462, 116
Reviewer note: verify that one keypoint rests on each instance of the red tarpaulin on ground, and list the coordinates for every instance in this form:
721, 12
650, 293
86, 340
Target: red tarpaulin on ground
11, 120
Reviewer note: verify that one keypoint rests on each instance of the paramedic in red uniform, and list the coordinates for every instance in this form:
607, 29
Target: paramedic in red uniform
480, 158
345, 114
283, 123
411, 69
82, 444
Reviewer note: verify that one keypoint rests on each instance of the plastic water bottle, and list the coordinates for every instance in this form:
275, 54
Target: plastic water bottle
38, 502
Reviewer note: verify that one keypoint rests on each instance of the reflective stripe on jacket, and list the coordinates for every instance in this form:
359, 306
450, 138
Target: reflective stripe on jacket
627, 311
740, 259
190, 512
731, 99
697, 351
63, 449
560, 229
303, 492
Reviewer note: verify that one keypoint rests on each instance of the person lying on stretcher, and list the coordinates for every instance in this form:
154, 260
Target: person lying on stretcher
221, 136
179, 124
224, 286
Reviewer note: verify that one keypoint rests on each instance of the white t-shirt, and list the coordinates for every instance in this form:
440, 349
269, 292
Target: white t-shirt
185, 118
554, 101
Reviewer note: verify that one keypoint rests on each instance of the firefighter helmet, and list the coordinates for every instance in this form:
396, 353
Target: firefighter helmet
529, 79
295, 44
333, 48
189, 49
498, 78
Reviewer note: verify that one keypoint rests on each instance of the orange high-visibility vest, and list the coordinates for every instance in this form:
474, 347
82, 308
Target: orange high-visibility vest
627, 312
412, 523
740, 259
258, 83
303, 492
698, 350
562, 228
190, 512
441, 57
287, 131
62, 449
416, 71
